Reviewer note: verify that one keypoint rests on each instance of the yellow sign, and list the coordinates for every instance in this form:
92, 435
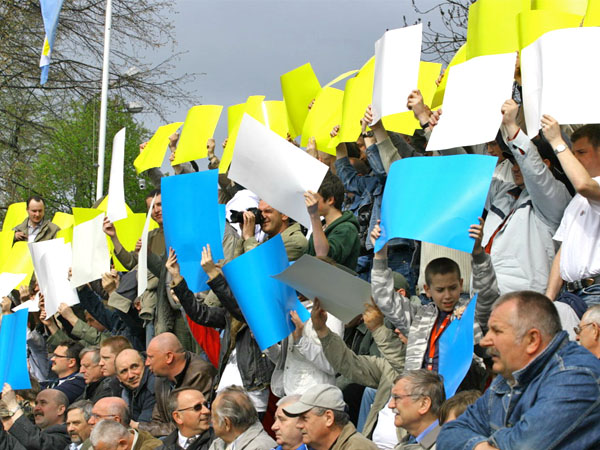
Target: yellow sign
19, 261
325, 113
65, 222
6, 241
277, 115
15, 214
533, 24
198, 128
299, 87
459, 57
154, 153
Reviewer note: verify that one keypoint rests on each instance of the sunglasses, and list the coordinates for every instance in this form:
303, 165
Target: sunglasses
197, 407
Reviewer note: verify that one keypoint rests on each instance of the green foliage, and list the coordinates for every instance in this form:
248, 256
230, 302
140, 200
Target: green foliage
65, 170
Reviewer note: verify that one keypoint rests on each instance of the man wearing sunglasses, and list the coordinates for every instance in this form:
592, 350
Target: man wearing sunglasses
191, 415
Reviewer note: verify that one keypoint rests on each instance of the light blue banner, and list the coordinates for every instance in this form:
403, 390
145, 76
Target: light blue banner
435, 199
13, 350
265, 302
456, 349
191, 218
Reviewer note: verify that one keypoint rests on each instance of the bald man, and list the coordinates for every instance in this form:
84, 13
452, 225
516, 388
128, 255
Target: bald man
138, 385
588, 330
49, 431
173, 367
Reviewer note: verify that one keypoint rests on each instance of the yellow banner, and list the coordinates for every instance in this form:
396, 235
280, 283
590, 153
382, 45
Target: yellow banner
533, 24
154, 153
198, 128
459, 57
299, 87
15, 214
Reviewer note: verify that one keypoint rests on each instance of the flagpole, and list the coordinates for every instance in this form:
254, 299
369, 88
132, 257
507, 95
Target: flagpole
103, 101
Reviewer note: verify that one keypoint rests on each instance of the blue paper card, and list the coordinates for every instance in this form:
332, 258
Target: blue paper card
265, 302
456, 349
191, 218
13, 350
435, 199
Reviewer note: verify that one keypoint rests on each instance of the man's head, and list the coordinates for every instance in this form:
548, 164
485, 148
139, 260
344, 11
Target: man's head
89, 319
453, 407
130, 368
165, 355
417, 396
78, 415
494, 149
189, 410
65, 359
273, 221
332, 194
285, 427
111, 408
35, 209
321, 415
109, 349
232, 413
443, 283
521, 326
89, 364
586, 148
588, 330
110, 435
156, 213
50, 408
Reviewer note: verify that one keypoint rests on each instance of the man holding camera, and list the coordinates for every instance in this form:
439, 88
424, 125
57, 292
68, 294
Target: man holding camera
272, 222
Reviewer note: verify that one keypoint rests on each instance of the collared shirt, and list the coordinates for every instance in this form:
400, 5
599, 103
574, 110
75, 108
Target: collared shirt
426, 431
74, 446
183, 440
33, 231
135, 437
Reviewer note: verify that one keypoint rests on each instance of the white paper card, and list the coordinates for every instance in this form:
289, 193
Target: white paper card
142, 269
397, 60
340, 293
8, 281
51, 261
475, 93
32, 305
115, 210
564, 88
91, 258
275, 170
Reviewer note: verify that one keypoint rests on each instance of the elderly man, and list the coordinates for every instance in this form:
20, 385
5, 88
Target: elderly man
417, 397
78, 427
287, 434
49, 431
96, 385
234, 418
324, 423
110, 435
173, 367
115, 408
190, 412
547, 392
138, 384
588, 330
35, 228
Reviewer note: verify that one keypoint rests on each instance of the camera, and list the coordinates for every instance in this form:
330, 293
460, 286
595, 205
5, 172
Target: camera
142, 183
238, 216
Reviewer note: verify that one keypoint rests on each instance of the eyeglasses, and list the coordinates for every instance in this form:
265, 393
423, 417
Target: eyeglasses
101, 416
578, 329
197, 407
400, 397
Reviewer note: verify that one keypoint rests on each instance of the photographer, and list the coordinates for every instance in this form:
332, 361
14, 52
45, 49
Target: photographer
272, 223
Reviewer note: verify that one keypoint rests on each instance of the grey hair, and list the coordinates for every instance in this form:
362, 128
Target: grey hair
85, 406
425, 383
340, 418
593, 314
108, 432
534, 310
288, 399
235, 404
91, 349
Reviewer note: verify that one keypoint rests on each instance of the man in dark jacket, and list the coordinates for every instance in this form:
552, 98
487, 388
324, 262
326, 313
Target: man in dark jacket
189, 410
138, 384
49, 431
96, 386
35, 228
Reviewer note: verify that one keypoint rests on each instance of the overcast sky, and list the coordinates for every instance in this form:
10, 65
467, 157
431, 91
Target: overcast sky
244, 46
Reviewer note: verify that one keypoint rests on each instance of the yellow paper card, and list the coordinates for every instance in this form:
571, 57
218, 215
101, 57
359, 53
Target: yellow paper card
278, 119
81, 215
15, 214
341, 77
358, 94
325, 113
234, 117
154, 153
577, 7
103, 206
592, 14
299, 87
198, 128
63, 220
533, 24
492, 27
19, 261
66, 234
459, 57
6, 242
405, 122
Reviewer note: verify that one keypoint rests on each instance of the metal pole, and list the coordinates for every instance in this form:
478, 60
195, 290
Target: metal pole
103, 101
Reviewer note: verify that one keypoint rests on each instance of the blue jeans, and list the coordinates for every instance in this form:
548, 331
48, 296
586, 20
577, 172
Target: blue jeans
590, 295
399, 260
365, 406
